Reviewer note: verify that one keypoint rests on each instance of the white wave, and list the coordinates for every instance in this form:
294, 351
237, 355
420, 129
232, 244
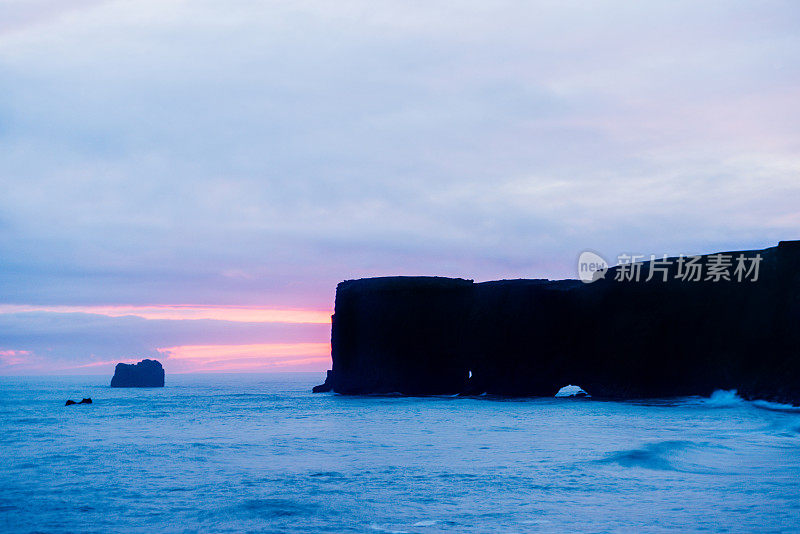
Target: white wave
727, 398
571, 391
775, 406
722, 398
375, 526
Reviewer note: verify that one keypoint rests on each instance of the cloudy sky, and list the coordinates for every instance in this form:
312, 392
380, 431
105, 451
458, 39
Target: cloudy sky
189, 180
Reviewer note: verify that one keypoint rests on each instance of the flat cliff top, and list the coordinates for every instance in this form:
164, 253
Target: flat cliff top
404, 282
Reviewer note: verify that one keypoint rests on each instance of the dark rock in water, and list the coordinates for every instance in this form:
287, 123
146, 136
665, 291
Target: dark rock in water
145, 374
70, 402
325, 386
616, 338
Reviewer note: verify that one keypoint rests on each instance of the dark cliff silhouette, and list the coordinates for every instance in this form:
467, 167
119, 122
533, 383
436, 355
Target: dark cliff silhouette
145, 374
614, 338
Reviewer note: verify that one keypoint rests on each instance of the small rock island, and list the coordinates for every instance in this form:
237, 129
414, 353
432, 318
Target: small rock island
145, 374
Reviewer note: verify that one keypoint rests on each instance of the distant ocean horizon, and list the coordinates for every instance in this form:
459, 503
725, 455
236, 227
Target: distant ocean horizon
258, 452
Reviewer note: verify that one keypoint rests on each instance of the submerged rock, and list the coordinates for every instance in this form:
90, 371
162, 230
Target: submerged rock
145, 374
70, 402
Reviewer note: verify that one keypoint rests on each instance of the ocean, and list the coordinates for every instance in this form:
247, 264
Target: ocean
261, 453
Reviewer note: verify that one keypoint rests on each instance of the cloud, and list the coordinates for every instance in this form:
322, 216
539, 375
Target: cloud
255, 154
10, 358
22, 15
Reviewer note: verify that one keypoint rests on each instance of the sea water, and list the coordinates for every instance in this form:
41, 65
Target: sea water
261, 453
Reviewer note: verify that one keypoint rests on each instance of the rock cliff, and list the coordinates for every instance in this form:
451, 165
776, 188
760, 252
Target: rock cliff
617, 337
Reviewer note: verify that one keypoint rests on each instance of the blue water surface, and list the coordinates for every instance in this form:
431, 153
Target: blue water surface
260, 453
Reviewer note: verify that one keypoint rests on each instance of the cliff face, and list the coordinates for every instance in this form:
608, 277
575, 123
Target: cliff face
401, 334
615, 338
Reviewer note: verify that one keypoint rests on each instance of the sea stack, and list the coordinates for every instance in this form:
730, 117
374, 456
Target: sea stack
145, 374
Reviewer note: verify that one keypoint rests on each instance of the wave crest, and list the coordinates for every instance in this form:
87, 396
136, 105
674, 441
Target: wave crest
722, 398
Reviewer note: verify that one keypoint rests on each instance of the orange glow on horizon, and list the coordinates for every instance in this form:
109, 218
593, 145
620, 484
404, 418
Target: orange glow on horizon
243, 314
256, 350
187, 358
107, 362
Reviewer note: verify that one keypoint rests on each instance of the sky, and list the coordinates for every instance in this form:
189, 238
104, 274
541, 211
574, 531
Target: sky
189, 180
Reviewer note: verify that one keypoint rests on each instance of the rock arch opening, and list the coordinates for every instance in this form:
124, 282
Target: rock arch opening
572, 391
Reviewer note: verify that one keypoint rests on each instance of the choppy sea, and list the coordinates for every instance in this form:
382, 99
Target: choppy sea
260, 453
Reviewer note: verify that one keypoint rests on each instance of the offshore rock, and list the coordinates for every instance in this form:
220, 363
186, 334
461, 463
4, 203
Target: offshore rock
70, 402
145, 374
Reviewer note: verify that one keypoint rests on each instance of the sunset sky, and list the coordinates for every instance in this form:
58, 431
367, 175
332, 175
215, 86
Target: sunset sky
189, 180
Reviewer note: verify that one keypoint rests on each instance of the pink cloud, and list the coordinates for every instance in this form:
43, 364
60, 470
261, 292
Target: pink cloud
13, 352
14, 357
